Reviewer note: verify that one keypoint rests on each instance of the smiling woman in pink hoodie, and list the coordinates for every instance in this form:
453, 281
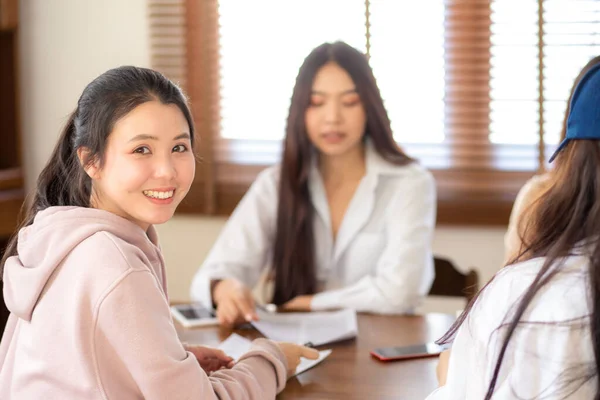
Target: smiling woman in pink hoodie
84, 279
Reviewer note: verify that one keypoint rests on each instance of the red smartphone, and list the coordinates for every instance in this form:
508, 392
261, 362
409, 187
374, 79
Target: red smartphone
407, 352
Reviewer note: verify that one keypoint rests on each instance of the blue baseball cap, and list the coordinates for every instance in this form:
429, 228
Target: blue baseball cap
584, 110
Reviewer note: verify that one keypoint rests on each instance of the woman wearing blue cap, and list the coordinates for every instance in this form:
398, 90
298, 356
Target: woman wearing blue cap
533, 189
533, 332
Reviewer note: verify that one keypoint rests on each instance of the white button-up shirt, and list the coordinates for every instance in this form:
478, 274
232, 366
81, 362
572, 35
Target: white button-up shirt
381, 261
549, 356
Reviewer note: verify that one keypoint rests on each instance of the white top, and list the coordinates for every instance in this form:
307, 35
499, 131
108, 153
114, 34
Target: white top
543, 355
381, 260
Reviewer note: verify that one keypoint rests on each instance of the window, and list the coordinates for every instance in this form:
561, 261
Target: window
255, 99
464, 82
409, 72
569, 38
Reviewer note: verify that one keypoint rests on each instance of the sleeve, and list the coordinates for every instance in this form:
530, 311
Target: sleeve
245, 243
404, 272
134, 331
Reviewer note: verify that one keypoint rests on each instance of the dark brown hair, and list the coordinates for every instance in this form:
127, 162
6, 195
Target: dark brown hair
108, 98
294, 256
559, 221
523, 226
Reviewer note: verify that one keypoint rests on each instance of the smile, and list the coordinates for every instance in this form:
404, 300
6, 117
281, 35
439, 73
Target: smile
153, 194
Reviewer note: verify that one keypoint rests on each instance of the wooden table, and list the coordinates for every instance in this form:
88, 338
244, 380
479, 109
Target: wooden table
350, 372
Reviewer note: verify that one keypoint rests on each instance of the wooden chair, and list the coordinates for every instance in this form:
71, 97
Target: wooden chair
451, 282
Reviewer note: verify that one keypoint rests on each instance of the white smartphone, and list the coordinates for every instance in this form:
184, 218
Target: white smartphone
194, 314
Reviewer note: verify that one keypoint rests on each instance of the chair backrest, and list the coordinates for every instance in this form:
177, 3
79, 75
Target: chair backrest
451, 282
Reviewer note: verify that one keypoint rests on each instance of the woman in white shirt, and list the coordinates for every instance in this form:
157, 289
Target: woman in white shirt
345, 220
534, 331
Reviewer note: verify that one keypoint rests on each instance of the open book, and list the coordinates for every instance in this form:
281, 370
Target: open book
314, 329
235, 346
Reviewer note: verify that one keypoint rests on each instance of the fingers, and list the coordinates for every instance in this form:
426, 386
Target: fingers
196, 351
292, 366
211, 365
290, 305
220, 354
211, 359
230, 314
204, 352
298, 303
293, 354
227, 313
212, 353
235, 302
246, 307
309, 353
216, 364
293, 363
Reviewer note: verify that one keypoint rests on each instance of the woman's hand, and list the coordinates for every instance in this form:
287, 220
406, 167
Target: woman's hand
293, 352
442, 367
235, 304
210, 359
298, 303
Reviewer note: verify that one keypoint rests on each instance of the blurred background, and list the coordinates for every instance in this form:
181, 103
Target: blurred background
475, 90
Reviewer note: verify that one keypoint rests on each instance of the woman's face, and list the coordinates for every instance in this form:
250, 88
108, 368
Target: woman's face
149, 165
335, 119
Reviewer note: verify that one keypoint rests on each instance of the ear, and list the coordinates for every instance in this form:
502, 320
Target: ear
92, 167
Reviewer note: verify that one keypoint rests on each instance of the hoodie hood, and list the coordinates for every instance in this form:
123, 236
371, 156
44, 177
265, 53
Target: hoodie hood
54, 233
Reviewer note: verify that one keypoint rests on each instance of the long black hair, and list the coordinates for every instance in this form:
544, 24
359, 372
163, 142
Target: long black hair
109, 97
293, 256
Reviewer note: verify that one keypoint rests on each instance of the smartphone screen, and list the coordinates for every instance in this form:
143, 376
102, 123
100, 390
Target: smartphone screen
194, 312
193, 315
405, 352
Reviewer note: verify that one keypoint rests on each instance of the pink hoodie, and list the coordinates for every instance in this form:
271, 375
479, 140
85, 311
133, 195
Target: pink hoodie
90, 320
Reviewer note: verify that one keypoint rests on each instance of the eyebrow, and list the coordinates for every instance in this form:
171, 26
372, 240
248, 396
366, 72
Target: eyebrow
144, 136
349, 91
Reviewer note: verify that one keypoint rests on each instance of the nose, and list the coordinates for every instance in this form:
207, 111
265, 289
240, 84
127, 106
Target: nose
333, 112
164, 168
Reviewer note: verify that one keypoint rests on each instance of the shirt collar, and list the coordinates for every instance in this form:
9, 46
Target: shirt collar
375, 164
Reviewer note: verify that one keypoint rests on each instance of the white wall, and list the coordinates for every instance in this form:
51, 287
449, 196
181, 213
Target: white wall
64, 44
